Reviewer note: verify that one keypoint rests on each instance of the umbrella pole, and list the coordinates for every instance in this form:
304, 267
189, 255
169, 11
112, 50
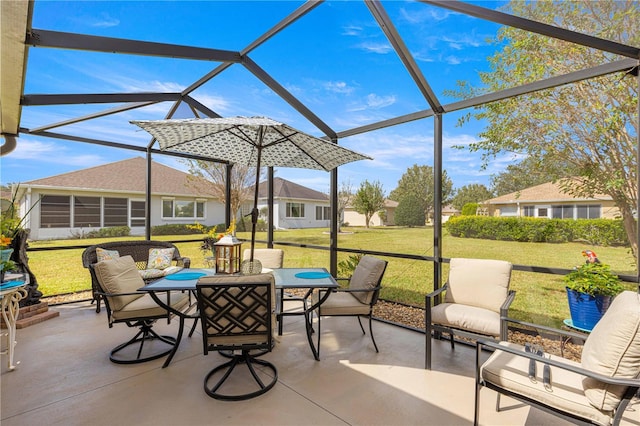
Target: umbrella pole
254, 212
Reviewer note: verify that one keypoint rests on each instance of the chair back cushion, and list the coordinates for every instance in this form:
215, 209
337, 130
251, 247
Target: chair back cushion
269, 258
483, 283
119, 275
367, 275
613, 349
237, 311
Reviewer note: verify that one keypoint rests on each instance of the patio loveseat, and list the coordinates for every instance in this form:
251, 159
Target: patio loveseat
165, 260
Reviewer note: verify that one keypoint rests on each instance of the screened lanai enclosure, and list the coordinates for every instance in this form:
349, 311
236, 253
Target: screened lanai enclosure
76, 82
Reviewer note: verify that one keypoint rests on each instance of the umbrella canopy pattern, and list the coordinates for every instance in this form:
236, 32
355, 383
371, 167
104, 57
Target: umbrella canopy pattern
249, 141
238, 140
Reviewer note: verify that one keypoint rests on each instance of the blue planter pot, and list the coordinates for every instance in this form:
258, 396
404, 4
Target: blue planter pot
586, 310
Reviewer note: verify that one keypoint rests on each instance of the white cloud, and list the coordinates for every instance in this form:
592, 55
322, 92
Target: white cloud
352, 30
380, 48
105, 21
53, 153
424, 15
376, 102
338, 87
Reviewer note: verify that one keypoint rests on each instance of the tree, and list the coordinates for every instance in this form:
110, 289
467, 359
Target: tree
590, 125
417, 182
473, 193
369, 199
527, 173
345, 196
243, 178
410, 212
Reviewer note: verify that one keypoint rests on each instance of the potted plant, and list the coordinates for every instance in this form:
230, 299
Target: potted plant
6, 266
590, 289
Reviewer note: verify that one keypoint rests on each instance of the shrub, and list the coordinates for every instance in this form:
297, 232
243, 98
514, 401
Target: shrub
595, 279
244, 225
174, 229
115, 231
469, 209
604, 232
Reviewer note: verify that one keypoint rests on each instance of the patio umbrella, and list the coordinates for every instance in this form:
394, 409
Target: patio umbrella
249, 141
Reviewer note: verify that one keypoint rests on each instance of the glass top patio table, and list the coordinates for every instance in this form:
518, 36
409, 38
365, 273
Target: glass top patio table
285, 278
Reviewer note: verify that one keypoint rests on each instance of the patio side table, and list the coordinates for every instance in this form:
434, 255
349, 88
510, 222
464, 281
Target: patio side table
11, 293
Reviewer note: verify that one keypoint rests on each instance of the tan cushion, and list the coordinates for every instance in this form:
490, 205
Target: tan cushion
483, 283
613, 349
510, 372
146, 307
342, 303
467, 317
269, 258
366, 276
160, 258
116, 276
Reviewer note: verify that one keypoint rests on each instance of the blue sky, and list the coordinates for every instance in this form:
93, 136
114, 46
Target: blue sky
335, 60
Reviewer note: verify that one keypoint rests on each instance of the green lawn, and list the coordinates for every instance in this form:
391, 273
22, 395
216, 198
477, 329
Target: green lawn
540, 297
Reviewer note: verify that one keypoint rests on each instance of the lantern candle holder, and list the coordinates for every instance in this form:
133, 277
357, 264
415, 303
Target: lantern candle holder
228, 255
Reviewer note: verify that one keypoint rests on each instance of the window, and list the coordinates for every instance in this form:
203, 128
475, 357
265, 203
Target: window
138, 213
543, 212
528, 211
508, 211
55, 211
588, 211
295, 210
115, 212
86, 212
562, 212
323, 213
182, 209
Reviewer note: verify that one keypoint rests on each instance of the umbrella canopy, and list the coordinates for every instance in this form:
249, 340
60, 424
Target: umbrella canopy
249, 141
239, 140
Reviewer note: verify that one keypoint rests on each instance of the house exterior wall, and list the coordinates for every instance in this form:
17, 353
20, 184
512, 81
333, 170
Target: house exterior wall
309, 220
544, 208
353, 218
213, 212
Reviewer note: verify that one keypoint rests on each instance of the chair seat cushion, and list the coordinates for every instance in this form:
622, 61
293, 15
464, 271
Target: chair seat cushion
470, 318
148, 274
342, 303
145, 306
510, 372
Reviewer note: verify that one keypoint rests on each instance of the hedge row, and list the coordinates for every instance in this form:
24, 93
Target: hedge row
183, 229
602, 232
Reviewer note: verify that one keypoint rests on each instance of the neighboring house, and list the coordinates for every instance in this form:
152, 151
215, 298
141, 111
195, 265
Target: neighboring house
294, 206
448, 212
353, 218
114, 195
548, 201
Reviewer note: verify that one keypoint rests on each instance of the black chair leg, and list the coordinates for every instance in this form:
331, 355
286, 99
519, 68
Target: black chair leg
361, 327
214, 391
371, 332
145, 334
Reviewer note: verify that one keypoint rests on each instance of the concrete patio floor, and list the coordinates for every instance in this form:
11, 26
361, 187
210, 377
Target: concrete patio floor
65, 378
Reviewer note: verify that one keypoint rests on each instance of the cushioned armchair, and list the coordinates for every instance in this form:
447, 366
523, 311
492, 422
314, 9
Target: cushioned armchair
238, 316
476, 303
358, 299
119, 281
269, 258
595, 391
